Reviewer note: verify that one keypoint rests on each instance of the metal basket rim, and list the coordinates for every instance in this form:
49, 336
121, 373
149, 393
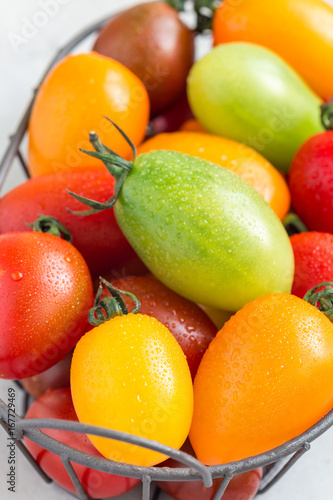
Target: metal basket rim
249, 463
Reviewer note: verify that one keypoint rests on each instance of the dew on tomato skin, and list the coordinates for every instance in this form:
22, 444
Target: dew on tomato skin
17, 275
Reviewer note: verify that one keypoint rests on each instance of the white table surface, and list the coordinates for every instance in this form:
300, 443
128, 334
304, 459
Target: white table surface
20, 69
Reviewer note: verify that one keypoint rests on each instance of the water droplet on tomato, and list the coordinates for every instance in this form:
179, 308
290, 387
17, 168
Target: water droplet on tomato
190, 328
17, 276
161, 233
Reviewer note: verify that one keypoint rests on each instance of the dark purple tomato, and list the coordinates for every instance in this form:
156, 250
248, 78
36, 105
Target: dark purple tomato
172, 118
156, 45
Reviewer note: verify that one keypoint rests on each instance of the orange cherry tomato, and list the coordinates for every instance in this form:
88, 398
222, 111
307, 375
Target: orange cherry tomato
299, 31
240, 159
74, 99
192, 125
254, 384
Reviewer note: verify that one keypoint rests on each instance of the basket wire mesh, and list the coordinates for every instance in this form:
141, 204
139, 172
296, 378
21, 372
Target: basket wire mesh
276, 461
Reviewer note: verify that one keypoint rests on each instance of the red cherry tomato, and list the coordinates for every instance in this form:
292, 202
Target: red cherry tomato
45, 295
190, 326
241, 487
98, 236
56, 377
57, 403
313, 260
311, 182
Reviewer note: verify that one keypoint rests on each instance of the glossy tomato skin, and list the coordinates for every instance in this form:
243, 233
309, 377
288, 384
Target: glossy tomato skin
313, 254
45, 295
241, 487
300, 31
74, 99
192, 125
274, 113
311, 182
172, 118
243, 161
203, 231
267, 362
57, 403
190, 326
130, 374
152, 41
97, 237
56, 377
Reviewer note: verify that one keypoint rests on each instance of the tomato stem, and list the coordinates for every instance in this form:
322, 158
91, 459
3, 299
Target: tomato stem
117, 166
327, 115
293, 224
108, 307
50, 225
322, 298
205, 10
178, 5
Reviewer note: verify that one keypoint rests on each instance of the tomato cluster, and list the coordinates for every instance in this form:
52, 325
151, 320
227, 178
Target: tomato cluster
203, 334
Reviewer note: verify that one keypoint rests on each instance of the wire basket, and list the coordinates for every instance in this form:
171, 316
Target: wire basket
276, 461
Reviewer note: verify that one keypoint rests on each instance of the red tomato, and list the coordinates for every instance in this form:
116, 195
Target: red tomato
57, 403
45, 295
56, 377
98, 237
313, 254
241, 487
311, 182
190, 326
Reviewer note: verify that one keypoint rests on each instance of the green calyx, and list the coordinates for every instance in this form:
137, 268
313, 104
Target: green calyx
50, 225
178, 5
293, 224
322, 298
327, 115
204, 11
117, 166
109, 307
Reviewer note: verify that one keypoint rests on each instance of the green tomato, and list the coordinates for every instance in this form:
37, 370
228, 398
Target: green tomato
247, 93
203, 231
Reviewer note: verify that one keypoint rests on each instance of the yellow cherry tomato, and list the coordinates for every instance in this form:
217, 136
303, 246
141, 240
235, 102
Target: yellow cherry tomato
130, 374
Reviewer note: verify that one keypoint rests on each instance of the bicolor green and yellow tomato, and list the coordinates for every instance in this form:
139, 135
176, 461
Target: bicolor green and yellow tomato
203, 231
247, 93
